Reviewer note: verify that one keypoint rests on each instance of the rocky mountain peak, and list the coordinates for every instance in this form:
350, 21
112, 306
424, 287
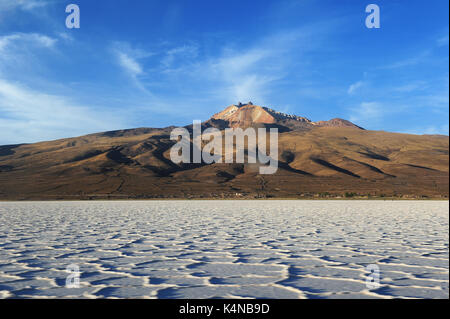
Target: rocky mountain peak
246, 115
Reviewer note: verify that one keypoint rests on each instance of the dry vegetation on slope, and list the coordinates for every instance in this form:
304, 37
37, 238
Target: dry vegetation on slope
315, 161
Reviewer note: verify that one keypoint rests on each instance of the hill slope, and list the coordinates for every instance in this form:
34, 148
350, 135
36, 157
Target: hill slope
330, 158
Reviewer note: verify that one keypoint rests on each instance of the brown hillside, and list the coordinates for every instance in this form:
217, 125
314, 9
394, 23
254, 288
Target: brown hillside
315, 160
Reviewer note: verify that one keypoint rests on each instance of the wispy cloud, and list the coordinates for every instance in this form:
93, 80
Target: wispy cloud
410, 87
183, 53
355, 86
232, 73
128, 57
20, 52
420, 57
254, 71
28, 115
244, 75
34, 39
366, 111
439, 100
417, 59
129, 64
22, 4
430, 130
443, 41
188, 72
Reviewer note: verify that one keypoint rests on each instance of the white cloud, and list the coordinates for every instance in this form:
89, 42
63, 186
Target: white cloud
417, 59
430, 130
439, 100
237, 72
241, 62
366, 111
34, 39
129, 64
443, 41
28, 115
22, 4
244, 74
438, 97
355, 86
66, 36
129, 58
443, 129
410, 87
185, 52
19, 52
250, 88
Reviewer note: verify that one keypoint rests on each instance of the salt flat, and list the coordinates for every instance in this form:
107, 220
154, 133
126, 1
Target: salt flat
231, 249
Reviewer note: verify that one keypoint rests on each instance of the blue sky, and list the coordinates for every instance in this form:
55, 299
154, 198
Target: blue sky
158, 63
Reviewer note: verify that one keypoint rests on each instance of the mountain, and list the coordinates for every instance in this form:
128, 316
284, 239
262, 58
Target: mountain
334, 158
246, 115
